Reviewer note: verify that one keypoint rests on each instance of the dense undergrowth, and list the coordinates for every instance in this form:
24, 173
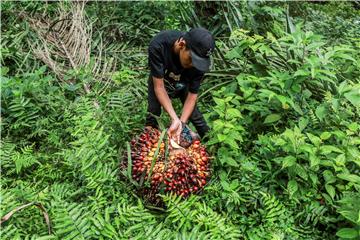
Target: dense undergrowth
283, 102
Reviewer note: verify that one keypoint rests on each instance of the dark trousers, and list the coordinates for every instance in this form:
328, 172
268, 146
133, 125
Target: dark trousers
154, 108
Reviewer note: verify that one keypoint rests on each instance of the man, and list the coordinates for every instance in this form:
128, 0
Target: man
177, 62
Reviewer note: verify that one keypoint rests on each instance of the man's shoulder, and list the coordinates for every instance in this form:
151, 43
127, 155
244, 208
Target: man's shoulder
165, 37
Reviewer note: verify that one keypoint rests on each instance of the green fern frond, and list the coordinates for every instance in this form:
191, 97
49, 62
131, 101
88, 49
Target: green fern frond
313, 118
25, 159
7, 150
103, 226
273, 210
71, 221
10, 232
8, 201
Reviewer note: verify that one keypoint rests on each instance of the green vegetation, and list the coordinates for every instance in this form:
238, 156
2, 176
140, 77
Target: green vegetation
283, 102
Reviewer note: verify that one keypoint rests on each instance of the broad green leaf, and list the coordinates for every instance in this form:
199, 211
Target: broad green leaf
354, 97
325, 135
232, 113
301, 172
234, 184
314, 160
280, 142
347, 233
321, 112
230, 161
326, 149
221, 137
288, 161
329, 177
331, 190
225, 185
340, 160
301, 72
349, 177
296, 107
313, 178
303, 122
314, 139
353, 126
307, 148
219, 102
272, 118
344, 56
231, 142
292, 187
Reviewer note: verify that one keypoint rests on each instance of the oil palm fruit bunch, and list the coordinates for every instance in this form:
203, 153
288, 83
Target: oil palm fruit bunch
166, 169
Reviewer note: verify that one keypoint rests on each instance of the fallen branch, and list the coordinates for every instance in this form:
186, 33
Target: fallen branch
38, 205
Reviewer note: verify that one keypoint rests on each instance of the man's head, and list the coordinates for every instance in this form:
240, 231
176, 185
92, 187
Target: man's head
195, 48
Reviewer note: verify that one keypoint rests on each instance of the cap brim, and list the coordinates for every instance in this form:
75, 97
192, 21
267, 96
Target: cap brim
202, 64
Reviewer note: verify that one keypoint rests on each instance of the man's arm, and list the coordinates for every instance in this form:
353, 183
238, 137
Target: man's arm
189, 105
163, 97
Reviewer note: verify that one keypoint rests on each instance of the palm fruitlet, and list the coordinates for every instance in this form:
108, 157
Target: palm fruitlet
182, 172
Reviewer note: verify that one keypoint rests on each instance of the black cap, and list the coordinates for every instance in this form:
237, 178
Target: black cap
202, 44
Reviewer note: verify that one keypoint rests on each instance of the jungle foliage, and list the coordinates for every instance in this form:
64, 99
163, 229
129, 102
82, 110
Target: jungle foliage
283, 102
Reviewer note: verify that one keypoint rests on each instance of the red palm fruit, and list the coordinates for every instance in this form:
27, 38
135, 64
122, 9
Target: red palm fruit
197, 142
202, 168
201, 175
204, 158
195, 188
203, 182
183, 179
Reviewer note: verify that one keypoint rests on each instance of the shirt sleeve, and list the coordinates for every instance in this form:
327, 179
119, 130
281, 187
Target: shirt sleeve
156, 61
195, 82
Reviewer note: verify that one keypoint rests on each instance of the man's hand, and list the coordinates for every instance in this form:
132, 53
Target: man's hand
175, 129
